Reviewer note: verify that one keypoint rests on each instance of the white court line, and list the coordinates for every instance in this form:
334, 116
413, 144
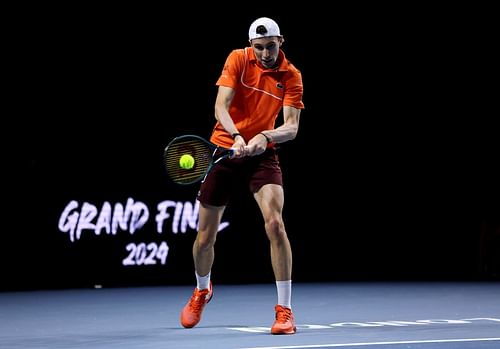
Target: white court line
378, 343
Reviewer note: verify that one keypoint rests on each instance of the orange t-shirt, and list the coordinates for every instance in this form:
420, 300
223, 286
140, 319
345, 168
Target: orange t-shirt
260, 94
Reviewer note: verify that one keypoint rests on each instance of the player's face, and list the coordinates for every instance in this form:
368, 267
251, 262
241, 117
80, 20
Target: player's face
266, 50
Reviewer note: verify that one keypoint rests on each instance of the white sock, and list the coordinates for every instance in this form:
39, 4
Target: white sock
202, 282
284, 293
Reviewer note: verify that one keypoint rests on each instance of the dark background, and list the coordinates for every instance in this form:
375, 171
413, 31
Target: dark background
393, 175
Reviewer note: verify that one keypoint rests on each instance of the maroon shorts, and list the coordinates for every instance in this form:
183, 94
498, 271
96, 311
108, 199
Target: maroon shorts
229, 174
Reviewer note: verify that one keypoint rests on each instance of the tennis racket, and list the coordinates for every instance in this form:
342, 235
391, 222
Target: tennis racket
204, 153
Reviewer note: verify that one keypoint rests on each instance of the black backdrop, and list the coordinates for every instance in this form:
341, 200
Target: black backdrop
392, 176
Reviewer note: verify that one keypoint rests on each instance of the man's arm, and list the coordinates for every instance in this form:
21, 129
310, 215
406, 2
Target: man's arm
223, 101
289, 129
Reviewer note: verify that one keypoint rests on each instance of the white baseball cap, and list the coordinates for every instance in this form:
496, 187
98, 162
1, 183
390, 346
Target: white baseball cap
262, 28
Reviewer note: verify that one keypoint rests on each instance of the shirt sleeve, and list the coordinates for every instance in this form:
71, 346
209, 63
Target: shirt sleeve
294, 90
232, 70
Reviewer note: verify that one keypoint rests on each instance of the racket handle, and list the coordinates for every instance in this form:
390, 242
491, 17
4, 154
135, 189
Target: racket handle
231, 152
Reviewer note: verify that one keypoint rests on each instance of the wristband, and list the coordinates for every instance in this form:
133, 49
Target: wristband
234, 135
267, 138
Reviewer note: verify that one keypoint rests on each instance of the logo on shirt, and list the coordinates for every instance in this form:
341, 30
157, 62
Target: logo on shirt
279, 85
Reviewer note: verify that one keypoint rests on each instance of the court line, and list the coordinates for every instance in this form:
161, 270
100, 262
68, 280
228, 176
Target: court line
378, 343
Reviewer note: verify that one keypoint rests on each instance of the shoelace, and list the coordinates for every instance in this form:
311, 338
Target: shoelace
198, 300
283, 315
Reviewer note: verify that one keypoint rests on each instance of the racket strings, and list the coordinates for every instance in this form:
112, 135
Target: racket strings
200, 151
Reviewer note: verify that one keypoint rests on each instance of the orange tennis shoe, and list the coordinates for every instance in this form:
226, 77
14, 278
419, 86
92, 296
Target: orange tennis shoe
285, 321
191, 313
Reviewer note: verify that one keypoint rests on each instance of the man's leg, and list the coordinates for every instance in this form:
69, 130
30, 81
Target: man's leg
203, 255
270, 199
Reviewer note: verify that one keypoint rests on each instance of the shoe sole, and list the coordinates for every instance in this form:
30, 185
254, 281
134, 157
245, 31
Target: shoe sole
285, 332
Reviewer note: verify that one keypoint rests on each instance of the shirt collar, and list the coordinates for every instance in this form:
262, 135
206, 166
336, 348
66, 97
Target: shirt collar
283, 64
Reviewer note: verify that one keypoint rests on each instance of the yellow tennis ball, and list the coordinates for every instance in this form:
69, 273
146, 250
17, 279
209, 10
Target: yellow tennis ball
186, 162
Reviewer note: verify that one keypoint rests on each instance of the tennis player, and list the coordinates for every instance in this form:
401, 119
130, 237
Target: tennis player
257, 83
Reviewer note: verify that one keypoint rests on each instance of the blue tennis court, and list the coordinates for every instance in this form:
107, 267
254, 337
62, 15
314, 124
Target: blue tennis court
329, 315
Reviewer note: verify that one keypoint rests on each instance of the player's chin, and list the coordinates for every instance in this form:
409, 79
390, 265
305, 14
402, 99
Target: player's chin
268, 65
